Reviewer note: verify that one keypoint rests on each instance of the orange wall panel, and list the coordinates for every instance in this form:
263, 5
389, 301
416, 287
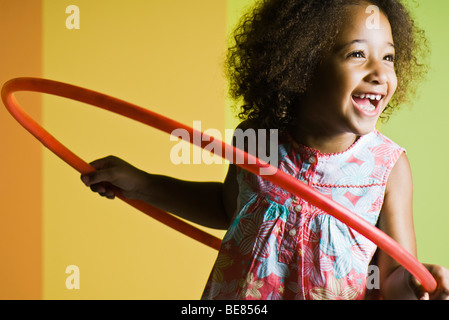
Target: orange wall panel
20, 160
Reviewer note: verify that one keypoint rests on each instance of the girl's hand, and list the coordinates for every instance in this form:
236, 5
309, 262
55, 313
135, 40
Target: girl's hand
115, 176
441, 275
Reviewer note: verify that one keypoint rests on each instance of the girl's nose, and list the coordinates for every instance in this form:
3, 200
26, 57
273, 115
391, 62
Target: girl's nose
377, 73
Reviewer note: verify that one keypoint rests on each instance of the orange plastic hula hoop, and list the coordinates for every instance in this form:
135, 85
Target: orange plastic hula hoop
250, 163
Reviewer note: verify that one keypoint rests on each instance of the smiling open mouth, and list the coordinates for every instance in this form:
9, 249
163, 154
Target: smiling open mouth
367, 103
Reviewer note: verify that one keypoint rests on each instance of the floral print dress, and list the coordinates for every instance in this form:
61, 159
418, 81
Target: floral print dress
281, 247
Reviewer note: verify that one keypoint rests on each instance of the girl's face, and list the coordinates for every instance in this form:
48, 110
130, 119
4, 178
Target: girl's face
357, 78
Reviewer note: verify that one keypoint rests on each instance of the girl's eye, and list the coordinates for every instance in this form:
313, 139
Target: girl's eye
361, 55
357, 54
390, 58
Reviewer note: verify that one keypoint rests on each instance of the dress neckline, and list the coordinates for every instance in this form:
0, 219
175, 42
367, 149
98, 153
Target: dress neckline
299, 147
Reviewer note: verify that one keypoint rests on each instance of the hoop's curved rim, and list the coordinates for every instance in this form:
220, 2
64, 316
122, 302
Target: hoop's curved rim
167, 125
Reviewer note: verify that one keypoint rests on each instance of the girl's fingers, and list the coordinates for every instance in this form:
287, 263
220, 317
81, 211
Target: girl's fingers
425, 296
108, 194
104, 190
99, 187
105, 175
85, 179
110, 178
107, 170
441, 275
420, 293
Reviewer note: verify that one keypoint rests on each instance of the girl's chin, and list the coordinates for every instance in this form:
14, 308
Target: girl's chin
365, 126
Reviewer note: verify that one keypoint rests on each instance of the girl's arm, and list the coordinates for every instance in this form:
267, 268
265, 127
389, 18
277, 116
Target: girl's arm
396, 219
210, 204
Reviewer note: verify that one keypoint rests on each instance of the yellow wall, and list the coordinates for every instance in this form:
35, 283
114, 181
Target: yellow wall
163, 55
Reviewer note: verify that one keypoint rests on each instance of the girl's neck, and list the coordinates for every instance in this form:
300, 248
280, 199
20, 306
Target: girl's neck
322, 141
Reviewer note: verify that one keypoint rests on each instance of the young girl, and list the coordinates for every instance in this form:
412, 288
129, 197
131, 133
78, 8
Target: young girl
322, 72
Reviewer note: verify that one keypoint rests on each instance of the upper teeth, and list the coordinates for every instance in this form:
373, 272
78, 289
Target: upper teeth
369, 96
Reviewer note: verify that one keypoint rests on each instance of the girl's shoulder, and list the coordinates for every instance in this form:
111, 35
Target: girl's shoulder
379, 139
260, 142
249, 132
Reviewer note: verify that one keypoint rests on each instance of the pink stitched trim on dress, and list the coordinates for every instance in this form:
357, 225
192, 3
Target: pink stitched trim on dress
319, 153
325, 185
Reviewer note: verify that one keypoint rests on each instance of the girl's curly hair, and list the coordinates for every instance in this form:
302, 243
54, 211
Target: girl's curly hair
279, 45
